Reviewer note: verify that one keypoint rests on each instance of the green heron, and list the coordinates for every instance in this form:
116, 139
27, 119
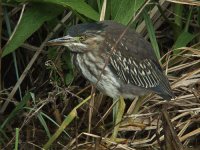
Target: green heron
132, 69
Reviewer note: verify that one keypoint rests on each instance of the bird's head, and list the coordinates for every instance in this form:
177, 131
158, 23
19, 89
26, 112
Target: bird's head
82, 38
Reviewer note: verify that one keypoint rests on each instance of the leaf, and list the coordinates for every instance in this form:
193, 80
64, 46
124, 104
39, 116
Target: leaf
178, 23
69, 78
123, 10
31, 21
43, 122
79, 6
183, 39
151, 33
119, 114
115, 4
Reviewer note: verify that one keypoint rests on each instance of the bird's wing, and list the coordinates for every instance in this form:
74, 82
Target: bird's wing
134, 62
142, 74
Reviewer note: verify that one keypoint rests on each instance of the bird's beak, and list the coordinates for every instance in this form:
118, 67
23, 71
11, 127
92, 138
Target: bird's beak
61, 41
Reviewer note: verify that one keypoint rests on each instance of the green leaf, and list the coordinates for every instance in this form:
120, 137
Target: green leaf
43, 122
79, 6
151, 33
52, 53
183, 39
16, 139
115, 4
67, 65
32, 19
119, 114
178, 23
69, 78
122, 11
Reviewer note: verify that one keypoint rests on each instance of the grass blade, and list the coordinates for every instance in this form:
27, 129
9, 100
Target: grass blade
16, 138
151, 34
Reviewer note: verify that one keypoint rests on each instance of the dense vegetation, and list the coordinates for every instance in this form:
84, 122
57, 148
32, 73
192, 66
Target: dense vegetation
45, 103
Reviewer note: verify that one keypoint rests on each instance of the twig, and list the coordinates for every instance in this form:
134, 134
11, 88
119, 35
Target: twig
171, 137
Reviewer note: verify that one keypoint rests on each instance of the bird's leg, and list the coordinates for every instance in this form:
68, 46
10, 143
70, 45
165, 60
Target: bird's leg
119, 111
